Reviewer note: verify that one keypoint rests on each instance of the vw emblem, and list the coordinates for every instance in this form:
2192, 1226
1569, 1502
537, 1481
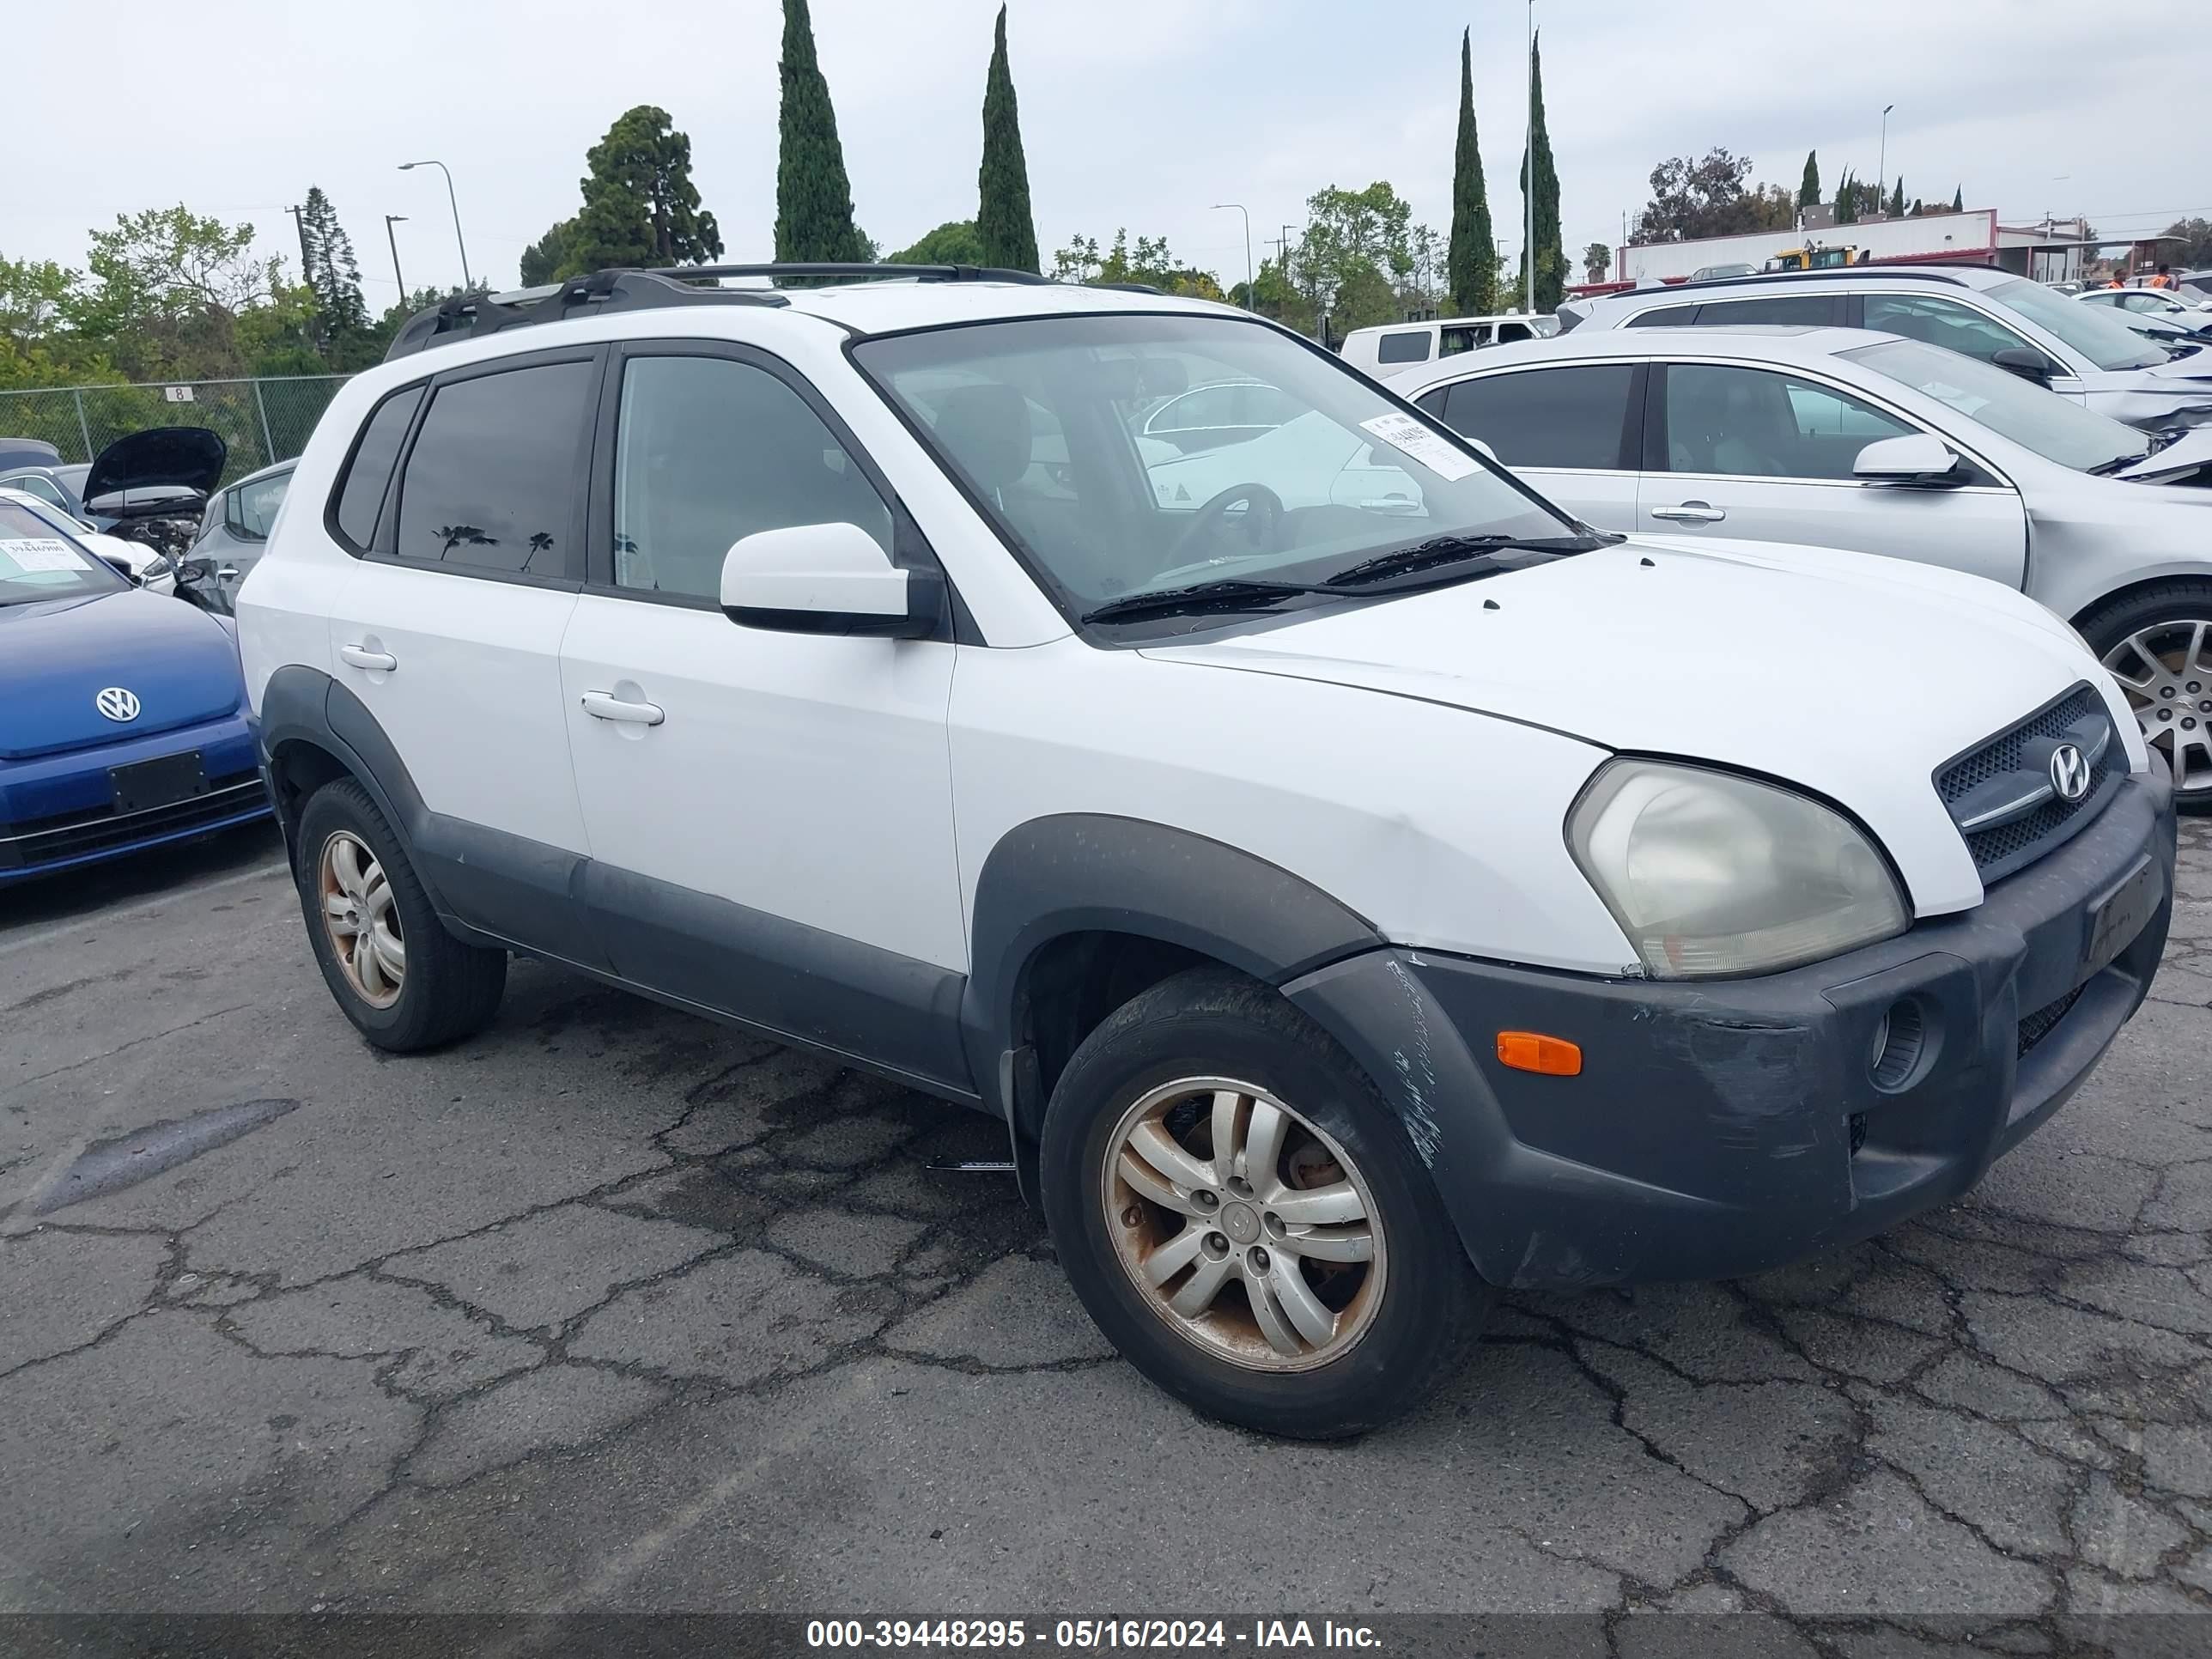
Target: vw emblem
117, 703
2069, 772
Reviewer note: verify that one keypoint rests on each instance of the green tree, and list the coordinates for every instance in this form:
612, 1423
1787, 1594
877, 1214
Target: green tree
813, 198
1539, 173
1705, 198
1959, 199
1003, 221
641, 207
332, 272
1808, 187
543, 259
1145, 260
2194, 243
1847, 200
1897, 199
1471, 265
1355, 263
1598, 261
166, 288
952, 243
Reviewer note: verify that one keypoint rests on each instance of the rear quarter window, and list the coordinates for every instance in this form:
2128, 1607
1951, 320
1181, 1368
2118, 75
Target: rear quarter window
1407, 346
360, 488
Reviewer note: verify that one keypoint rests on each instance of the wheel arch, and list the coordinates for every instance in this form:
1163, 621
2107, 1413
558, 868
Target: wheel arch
2141, 587
1075, 913
312, 732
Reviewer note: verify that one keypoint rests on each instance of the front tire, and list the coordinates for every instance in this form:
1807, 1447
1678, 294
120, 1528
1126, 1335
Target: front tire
2158, 644
1244, 1217
404, 981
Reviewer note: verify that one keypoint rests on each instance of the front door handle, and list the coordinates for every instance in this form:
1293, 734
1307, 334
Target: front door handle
1691, 513
605, 705
361, 656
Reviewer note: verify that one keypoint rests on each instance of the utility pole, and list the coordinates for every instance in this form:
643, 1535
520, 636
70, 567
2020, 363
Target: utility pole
391, 236
454, 202
1250, 277
1528, 169
306, 260
1882, 166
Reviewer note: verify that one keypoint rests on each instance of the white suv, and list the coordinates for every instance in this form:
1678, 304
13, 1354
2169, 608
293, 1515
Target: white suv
1352, 898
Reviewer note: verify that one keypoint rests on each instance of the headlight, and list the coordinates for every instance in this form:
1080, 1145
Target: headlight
155, 568
1708, 873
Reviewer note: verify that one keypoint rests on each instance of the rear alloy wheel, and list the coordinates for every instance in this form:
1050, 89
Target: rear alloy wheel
362, 920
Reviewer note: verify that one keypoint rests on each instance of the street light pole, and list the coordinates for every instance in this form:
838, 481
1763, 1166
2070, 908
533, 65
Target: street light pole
1882, 168
455, 203
1251, 299
1529, 181
393, 236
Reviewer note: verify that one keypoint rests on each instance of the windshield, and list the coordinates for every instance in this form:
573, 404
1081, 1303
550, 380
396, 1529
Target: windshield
1131, 454
2053, 427
2105, 341
37, 563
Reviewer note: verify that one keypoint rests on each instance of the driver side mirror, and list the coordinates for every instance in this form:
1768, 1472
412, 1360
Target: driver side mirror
828, 579
1920, 459
2029, 365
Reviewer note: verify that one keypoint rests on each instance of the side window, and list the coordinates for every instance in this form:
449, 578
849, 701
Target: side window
1508, 332
1456, 340
708, 451
491, 482
1748, 423
1433, 401
1547, 416
1943, 323
1407, 346
44, 488
1266, 405
232, 520
1665, 317
1788, 310
360, 491
252, 507
1208, 406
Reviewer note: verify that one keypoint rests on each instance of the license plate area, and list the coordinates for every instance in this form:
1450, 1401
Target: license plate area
161, 782
2121, 914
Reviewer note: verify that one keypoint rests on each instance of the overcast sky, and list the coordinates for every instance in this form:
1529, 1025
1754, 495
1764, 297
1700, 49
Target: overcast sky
1136, 113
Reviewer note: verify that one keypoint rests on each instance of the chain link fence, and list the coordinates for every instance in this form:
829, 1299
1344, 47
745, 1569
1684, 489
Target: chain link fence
261, 420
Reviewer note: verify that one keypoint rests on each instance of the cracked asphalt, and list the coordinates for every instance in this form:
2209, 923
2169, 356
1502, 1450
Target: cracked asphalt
610, 1308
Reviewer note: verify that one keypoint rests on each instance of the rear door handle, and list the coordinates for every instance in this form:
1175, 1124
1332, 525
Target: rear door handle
1691, 513
361, 657
605, 706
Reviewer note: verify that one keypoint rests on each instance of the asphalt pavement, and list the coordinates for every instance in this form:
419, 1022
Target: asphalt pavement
611, 1308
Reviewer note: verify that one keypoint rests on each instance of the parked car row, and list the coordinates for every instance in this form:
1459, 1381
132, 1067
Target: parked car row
1356, 879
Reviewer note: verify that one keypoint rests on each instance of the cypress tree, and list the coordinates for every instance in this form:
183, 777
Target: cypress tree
1808, 188
1897, 201
1536, 165
1847, 199
1003, 221
1959, 199
813, 198
1471, 263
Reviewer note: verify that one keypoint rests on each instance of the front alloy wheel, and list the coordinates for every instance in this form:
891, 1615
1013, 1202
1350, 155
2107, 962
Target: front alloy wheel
1243, 1224
2167, 676
361, 919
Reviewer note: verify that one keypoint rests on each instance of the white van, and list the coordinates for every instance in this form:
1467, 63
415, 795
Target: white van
1396, 346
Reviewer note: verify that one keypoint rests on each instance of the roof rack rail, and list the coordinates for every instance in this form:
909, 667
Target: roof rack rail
1935, 268
472, 316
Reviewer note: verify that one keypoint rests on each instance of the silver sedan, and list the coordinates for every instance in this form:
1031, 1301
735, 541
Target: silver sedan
1840, 438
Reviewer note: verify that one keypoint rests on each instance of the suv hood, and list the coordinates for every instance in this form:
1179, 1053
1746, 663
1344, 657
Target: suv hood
55, 656
189, 456
1853, 677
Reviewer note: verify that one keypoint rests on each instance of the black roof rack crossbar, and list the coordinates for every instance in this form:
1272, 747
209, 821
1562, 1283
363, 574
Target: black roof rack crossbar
472, 316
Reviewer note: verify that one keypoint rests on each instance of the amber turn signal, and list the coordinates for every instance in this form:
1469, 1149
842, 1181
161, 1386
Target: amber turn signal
1532, 1051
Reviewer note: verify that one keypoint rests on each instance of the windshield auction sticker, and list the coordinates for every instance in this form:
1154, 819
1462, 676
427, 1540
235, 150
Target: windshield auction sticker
1408, 436
34, 553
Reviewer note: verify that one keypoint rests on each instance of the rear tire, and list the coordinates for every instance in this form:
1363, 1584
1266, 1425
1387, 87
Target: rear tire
2158, 644
404, 981
1318, 1298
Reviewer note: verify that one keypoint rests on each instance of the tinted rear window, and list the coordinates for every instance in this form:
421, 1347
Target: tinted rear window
492, 480
361, 492
1789, 310
1666, 317
1408, 346
1547, 416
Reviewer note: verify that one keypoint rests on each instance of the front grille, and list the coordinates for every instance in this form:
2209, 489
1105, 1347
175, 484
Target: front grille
2044, 1020
2019, 759
45, 839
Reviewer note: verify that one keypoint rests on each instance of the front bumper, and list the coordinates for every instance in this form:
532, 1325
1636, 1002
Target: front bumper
1723, 1128
59, 812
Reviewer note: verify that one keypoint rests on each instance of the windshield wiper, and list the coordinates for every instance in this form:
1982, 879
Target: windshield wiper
1439, 551
2106, 469
1227, 593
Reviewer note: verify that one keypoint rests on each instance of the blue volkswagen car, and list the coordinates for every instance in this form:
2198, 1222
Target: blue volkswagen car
122, 713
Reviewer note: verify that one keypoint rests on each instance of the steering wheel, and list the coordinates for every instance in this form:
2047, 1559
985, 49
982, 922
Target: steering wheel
1263, 519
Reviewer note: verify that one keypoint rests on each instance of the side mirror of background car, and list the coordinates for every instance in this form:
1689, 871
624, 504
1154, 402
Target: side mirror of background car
1920, 458
827, 578
1483, 450
2029, 365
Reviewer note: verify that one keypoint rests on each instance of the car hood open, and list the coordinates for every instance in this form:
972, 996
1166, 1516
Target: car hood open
188, 456
56, 657
1853, 677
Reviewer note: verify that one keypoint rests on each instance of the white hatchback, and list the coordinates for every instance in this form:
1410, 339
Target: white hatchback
1349, 904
